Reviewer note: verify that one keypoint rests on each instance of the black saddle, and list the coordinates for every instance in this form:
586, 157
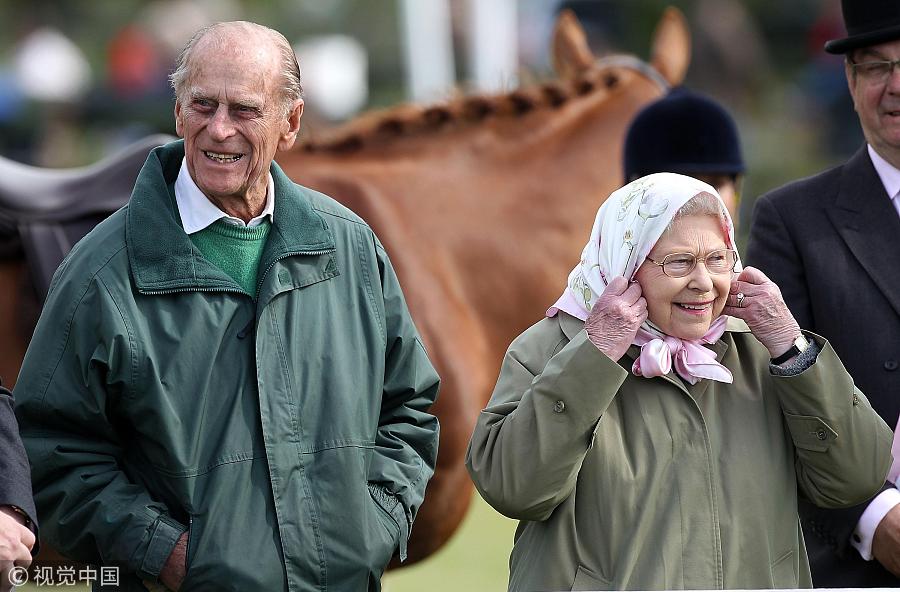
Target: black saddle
44, 212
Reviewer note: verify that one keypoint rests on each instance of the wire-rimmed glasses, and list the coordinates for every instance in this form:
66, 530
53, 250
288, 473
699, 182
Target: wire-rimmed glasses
678, 265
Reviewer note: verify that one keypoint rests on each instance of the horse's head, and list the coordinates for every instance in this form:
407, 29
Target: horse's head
670, 53
580, 75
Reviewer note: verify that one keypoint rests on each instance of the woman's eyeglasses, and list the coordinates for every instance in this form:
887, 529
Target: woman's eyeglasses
677, 265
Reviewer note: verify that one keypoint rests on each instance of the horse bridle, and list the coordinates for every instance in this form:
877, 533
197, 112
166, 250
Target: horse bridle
635, 63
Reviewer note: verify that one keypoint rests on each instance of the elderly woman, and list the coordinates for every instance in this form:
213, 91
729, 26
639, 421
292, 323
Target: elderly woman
656, 429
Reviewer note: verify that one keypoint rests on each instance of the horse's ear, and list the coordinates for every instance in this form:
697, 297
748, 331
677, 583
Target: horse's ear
671, 52
571, 53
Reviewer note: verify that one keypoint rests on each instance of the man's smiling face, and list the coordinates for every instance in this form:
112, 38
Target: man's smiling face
232, 117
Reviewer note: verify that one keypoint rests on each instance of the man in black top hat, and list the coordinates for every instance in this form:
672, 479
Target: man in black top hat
832, 244
688, 133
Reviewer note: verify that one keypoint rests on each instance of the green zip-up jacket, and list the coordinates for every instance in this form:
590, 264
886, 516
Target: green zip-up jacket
289, 435
623, 482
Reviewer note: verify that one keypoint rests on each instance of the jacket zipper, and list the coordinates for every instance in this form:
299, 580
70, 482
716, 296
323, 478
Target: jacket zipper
258, 285
190, 544
265, 274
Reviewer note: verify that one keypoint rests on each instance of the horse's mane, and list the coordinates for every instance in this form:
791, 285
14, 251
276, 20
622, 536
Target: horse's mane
411, 119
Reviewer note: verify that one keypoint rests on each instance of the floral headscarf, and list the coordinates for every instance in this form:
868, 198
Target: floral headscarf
627, 226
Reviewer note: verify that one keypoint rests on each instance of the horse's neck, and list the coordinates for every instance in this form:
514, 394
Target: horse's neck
496, 213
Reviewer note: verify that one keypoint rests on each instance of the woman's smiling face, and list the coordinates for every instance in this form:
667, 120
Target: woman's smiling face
684, 307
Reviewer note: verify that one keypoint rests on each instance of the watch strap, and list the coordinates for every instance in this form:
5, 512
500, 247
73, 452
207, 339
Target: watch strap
798, 347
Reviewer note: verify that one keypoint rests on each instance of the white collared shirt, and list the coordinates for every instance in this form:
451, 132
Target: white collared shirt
885, 501
889, 175
197, 212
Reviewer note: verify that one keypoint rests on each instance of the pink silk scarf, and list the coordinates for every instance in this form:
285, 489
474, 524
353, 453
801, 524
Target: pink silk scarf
692, 361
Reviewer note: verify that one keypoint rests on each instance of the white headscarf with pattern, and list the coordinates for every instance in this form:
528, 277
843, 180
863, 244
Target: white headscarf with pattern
627, 226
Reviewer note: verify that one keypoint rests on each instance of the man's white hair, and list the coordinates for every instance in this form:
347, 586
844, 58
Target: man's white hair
291, 88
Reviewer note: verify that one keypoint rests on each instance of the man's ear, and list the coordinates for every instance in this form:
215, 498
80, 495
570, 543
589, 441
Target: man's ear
179, 127
291, 126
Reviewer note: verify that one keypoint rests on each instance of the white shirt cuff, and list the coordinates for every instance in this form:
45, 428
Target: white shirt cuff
870, 519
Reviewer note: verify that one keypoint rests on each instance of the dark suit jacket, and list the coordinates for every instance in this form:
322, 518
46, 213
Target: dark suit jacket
15, 473
832, 244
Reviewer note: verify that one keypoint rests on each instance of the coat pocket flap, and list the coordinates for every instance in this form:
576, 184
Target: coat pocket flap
810, 432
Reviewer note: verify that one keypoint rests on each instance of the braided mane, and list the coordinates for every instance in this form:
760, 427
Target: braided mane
411, 119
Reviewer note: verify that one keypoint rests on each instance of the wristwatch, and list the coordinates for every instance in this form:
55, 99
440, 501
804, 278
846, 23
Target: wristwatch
798, 347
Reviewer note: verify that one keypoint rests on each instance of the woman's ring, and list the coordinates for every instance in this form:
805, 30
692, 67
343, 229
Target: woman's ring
740, 299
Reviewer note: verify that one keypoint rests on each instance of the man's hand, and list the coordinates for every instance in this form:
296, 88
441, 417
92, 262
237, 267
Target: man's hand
175, 568
16, 542
886, 541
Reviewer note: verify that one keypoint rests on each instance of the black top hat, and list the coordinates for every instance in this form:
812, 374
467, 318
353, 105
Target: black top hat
868, 22
684, 132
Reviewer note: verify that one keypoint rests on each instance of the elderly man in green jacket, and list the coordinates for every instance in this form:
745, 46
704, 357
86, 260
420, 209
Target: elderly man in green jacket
225, 390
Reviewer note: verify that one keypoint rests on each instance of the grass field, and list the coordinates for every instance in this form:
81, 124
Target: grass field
475, 559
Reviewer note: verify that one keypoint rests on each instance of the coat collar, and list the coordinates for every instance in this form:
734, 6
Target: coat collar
571, 326
161, 254
865, 218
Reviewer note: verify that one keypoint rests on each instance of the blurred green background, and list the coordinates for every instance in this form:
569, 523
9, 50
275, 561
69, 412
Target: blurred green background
763, 59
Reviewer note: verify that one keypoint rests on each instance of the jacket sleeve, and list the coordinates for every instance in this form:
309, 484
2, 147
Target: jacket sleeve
842, 447
772, 249
78, 367
406, 443
530, 441
15, 486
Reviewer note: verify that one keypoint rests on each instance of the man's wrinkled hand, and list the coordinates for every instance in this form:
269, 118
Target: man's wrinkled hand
886, 541
16, 542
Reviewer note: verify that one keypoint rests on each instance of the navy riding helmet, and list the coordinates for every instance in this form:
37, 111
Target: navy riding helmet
684, 132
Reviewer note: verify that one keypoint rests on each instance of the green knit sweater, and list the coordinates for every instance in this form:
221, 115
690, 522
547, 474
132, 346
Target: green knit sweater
236, 250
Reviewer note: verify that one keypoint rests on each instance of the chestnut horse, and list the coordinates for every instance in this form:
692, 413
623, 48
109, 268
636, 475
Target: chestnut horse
484, 205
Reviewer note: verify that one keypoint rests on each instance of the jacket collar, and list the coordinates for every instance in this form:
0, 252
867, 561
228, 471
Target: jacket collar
866, 220
161, 254
571, 326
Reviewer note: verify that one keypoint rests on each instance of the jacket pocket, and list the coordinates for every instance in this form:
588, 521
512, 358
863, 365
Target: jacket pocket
783, 573
586, 579
393, 512
810, 433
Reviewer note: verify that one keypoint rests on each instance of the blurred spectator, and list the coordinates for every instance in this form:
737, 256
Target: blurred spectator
49, 67
688, 133
826, 106
133, 64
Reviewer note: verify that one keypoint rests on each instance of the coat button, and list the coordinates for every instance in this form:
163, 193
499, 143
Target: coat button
821, 434
559, 407
890, 365
855, 399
